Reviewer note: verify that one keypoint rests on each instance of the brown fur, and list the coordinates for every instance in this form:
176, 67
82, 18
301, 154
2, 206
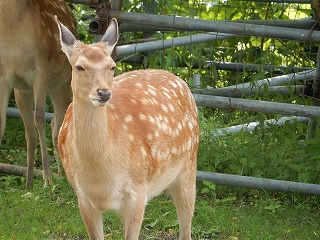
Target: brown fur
120, 154
31, 62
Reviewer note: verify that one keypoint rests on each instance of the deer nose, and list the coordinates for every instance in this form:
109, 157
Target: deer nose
104, 94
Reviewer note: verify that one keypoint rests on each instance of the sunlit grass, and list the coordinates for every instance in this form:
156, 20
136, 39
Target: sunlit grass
221, 212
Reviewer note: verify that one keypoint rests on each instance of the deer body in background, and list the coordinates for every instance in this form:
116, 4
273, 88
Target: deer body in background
124, 140
31, 62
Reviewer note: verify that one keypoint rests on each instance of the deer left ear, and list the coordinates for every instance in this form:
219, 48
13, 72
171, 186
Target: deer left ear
67, 39
111, 36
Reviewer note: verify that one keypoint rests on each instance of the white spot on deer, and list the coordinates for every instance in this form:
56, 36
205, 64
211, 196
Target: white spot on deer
166, 119
164, 108
145, 101
151, 87
189, 143
176, 133
156, 133
142, 116
131, 137
174, 93
174, 150
128, 118
167, 95
124, 127
153, 151
139, 85
179, 83
191, 125
173, 84
134, 101
154, 102
149, 101
149, 136
165, 89
165, 127
171, 107
151, 119
152, 92
143, 152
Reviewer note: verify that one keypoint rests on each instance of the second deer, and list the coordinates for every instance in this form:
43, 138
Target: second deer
31, 62
124, 140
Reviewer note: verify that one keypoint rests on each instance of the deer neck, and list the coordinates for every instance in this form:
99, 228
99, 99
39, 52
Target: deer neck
91, 131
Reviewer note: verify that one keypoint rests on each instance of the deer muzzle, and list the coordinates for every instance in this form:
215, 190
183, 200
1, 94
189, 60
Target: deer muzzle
103, 96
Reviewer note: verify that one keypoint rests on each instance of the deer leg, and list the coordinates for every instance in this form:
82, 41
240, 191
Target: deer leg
40, 94
24, 101
92, 219
61, 98
132, 216
4, 97
183, 192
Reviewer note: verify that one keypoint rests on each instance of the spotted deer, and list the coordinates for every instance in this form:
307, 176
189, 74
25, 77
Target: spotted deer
126, 139
31, 62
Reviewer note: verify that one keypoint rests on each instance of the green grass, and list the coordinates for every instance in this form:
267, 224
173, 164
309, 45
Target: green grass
221, 212
52, 213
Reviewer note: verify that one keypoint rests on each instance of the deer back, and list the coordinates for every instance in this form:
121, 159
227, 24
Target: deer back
29, 39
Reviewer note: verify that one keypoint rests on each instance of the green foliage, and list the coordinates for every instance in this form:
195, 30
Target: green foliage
84, 15
270, 151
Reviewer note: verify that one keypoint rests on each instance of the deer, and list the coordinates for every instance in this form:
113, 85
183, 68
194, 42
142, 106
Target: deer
32, 63
126, 139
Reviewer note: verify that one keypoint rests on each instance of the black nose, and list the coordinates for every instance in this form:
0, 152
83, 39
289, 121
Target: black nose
104, 94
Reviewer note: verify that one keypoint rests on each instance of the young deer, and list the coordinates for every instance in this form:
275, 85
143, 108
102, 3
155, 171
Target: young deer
31, 62
126, 139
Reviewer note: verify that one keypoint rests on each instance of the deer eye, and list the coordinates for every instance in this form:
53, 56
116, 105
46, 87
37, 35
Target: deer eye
79, 68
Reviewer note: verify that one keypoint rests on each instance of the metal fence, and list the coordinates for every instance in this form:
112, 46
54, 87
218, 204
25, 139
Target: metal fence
271, 34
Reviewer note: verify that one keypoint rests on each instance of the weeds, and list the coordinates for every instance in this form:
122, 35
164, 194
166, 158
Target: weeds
221, 212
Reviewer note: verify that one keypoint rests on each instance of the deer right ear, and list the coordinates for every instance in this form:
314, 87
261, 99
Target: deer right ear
67, 39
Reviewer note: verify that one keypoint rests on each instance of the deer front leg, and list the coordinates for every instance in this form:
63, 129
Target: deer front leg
24, 101
131, 215
92, 219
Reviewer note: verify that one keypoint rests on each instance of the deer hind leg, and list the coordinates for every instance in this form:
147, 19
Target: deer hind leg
92, 219
24, 101
61, 98
183, 192
40, 94
4, 97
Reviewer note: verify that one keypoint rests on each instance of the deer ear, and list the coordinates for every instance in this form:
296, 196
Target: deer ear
112, 34
67, 39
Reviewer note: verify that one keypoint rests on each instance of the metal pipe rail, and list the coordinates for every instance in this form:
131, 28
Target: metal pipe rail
259, 183
242, 29
126, 50
257, 106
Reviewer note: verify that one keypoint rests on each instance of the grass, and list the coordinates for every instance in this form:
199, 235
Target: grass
221, 212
